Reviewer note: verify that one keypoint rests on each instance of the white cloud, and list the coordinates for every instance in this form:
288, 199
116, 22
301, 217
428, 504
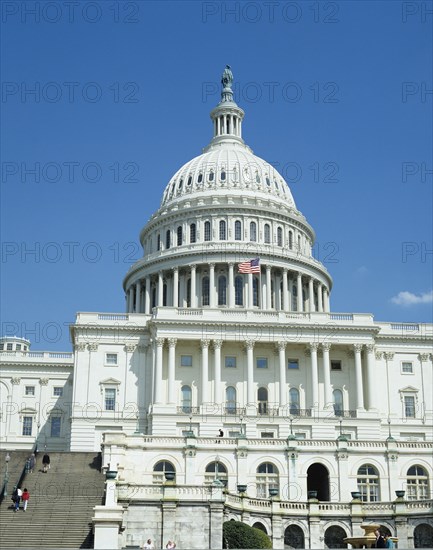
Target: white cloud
409, 299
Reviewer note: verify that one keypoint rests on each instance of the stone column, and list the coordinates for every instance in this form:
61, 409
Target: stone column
249, 344
193, 286
250, 291
371, 382
314, 375
175, 287
147, 296
311, 294
326, 299
285, 291
268, 287
137, 296
204, 371
160, 289
327, 375
319, 297
159, 343
171, 369
131, 299
281, 346
217, 374
231, 286
290, 304
212, 285
358, 377
299, 291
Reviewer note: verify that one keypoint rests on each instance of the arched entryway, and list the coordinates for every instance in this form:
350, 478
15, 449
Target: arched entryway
259, 525
294, 537
318, 481
334, 537
423, 536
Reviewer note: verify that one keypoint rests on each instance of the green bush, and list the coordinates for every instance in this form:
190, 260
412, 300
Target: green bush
239, 535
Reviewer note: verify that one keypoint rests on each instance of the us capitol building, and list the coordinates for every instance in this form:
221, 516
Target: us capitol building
229, 389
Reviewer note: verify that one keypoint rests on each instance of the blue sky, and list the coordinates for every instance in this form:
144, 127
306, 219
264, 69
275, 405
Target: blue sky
337, 95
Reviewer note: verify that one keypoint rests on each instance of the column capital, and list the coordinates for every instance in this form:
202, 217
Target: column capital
280, 346
231, 265
268, 267
285, 270
16, 381
80, 346
313, 346
370, 348
326, 346
175, 268
93, 346
212, 265
204, 344
217, 344
249, 344
423, 356
172, 342
389, 355
130, 348
379, 354
159, 342
193, 267
358, 348
43, 381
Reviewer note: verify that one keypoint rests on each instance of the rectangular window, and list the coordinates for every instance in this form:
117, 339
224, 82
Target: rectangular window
409, 406
300, 435
57, 391
110, 399
186, 360
27, 425
406, 367
9, 347
230, 362
30, 390
335, 365
56, 423
267, 435
2, 347
262, 362
111, 359
18, 348
293, 364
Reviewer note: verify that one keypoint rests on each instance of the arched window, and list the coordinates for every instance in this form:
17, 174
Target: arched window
179, 236
158, 242
164, 294
279, 236
238, 230
230, 400
338, 402
253, 231
180, 185
262, 400
189, 181
192, 233
200, 178
167, 239
207, 231
291, 240
223, 230
368, 483
154, 297
205, 291
267, 478
417, 484
267, 233
160, 469
222, 290
334, 537
239, 291
423, 536
211, 175
186, 399
294, 537
223, 175
256, 292
299, 242
216, 470
294, 405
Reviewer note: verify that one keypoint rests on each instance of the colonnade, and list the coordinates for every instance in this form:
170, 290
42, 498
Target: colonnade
273, 289
363, 399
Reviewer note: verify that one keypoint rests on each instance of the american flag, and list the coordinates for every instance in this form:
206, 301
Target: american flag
251, 266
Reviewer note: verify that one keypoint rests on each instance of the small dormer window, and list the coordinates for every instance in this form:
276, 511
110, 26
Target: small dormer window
200, 178
268, 182
180, 184
189, 181
257, 178
211, 176
276, 184
223, 175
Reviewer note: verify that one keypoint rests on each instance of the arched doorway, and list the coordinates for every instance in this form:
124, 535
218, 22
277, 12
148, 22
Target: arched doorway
294, 537
423, 536
318, 480
334, 536
259, 525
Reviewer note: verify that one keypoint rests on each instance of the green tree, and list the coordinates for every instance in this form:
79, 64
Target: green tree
239, 535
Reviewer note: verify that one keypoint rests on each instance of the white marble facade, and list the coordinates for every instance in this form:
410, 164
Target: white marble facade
308, 399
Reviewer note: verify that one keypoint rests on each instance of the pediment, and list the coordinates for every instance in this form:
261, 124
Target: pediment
409, 389
110, 381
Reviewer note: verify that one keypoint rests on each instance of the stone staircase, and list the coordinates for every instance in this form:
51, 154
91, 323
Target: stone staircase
60, 509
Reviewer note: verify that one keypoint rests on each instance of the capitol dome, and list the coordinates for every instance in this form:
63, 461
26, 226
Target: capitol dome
220, 209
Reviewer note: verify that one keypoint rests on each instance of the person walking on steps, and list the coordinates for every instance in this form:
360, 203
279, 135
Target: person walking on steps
25, 498
45, 463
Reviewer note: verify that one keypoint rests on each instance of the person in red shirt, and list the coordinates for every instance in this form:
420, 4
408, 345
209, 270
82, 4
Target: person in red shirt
25, 498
